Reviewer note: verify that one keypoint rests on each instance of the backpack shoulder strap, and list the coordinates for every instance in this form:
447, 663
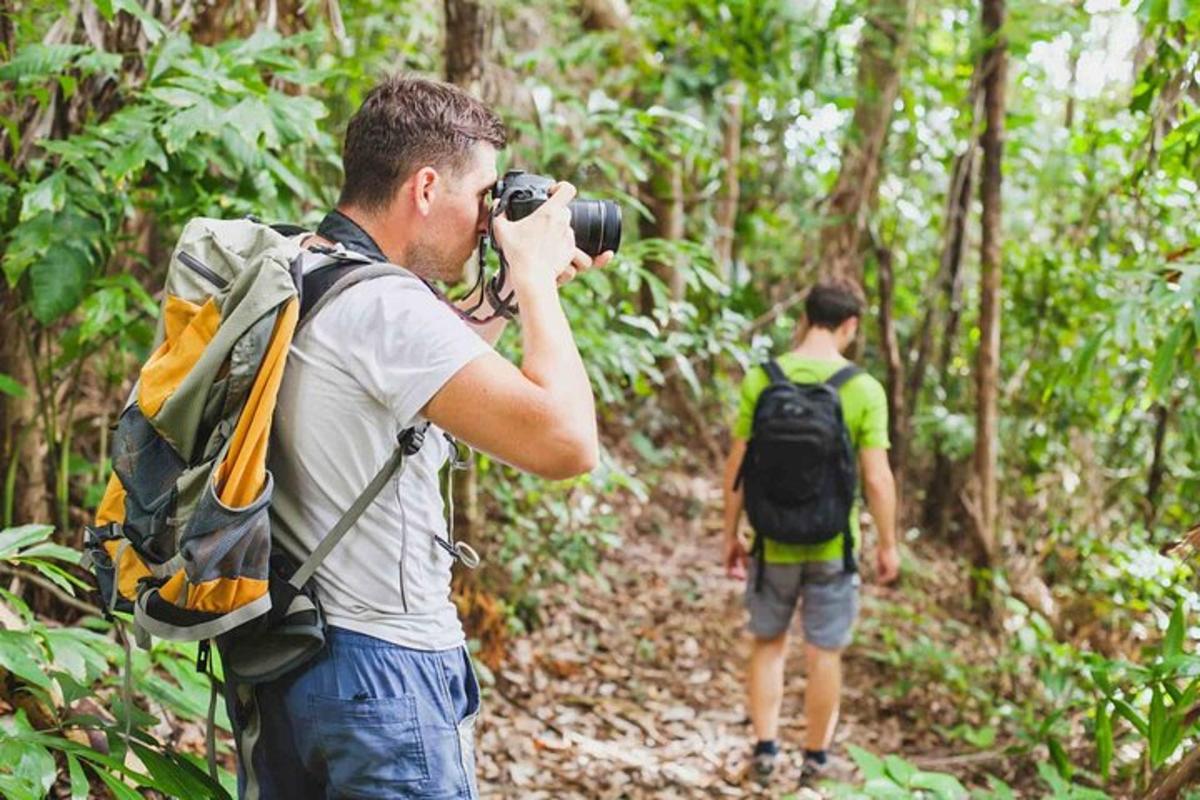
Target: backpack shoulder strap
838, 379
775, 372
321, 285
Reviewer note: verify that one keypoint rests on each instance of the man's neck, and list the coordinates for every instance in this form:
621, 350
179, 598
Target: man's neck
819, 343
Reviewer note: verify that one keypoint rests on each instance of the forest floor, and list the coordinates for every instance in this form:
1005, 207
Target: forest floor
633, 687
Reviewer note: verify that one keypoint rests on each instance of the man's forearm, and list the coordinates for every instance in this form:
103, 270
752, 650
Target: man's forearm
881, 500
734, 498
550, 358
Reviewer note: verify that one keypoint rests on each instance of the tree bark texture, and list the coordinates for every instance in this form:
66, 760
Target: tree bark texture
948, 282
663, 195
881, 58
988, 366
727, 201
1170, 781
468, 28
897, 414
1162, 420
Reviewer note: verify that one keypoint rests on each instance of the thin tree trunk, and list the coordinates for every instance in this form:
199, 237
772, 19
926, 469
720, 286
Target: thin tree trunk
988, 367
663, 195
468, 27
727, 201
881, 57
26, 498
897, 414
958, 206
1170, 781
1162, 420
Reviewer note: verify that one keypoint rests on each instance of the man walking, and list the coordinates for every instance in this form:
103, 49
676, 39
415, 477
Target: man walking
820, 576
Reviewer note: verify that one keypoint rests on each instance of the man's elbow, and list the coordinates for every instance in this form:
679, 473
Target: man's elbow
878, 483
570, 453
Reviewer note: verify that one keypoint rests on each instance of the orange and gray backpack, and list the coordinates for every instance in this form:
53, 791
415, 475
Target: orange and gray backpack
182, 537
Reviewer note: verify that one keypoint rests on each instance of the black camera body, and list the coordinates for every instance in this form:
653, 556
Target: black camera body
597, 223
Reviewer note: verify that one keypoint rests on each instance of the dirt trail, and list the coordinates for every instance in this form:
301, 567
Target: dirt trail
634, 686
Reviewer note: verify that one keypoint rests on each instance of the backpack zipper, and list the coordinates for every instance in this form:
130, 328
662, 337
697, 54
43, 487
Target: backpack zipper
198, 267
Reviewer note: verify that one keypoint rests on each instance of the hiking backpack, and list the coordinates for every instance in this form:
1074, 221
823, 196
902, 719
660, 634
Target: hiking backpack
799, 472
182, 536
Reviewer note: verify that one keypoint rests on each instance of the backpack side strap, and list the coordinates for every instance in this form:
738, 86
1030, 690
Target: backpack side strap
407, 444
775, 372
838, 379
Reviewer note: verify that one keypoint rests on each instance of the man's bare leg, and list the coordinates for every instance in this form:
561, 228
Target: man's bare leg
766, 685
822, 695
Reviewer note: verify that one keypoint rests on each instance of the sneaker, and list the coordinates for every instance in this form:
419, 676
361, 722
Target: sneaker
834, 769
763, 766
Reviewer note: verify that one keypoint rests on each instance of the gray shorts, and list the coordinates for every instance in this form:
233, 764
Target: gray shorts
829, 604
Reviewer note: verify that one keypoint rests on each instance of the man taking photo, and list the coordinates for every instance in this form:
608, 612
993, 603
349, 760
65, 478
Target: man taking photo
387, 708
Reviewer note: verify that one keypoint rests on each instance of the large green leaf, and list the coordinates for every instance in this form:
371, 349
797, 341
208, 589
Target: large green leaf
14, 540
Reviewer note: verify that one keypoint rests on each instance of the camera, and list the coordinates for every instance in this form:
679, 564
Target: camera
597, 223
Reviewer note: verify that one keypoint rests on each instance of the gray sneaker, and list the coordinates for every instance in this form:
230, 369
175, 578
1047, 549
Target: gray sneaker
763, 766
813, 772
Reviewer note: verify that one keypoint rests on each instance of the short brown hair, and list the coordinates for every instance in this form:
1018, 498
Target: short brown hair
833, 301
404, 124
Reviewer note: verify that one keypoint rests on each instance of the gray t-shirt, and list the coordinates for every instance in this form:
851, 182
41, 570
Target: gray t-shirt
358, 374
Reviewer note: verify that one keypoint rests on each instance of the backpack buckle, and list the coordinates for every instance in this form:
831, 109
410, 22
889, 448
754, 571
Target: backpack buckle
411, 439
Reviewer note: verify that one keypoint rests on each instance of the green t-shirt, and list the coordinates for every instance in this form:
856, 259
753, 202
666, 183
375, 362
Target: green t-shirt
864, 407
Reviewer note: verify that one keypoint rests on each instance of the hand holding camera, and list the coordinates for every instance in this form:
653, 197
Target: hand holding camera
545, 234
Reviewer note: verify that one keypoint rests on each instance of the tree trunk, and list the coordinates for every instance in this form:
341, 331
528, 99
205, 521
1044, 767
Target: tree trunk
727, 201
468, 27
988, 367
663, 195
1162, 420
958, 206
881, 57
604, 15
897, 414
25, 494
1170, 781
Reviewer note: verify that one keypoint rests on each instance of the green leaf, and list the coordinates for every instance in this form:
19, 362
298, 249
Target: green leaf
48, 195
1133, 717
1104, 738
59, 278
118, 787
40, 61
900, 770
1157, 726
13, 540
21, 655
869, 764
1165, 361
944, 786
11, 386
79, 781
1173, 641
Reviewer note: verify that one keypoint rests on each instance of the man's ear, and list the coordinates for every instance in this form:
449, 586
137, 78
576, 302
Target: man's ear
426, 183
850, 328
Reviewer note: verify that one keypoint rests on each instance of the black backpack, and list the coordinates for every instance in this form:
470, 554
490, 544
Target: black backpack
799, 470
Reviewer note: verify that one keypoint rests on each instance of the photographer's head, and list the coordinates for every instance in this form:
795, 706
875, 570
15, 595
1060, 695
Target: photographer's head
834, 306
419, 161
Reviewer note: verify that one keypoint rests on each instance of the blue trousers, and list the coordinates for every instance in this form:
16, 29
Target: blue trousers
365, 719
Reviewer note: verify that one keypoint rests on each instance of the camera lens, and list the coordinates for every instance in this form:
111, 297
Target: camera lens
597, 225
